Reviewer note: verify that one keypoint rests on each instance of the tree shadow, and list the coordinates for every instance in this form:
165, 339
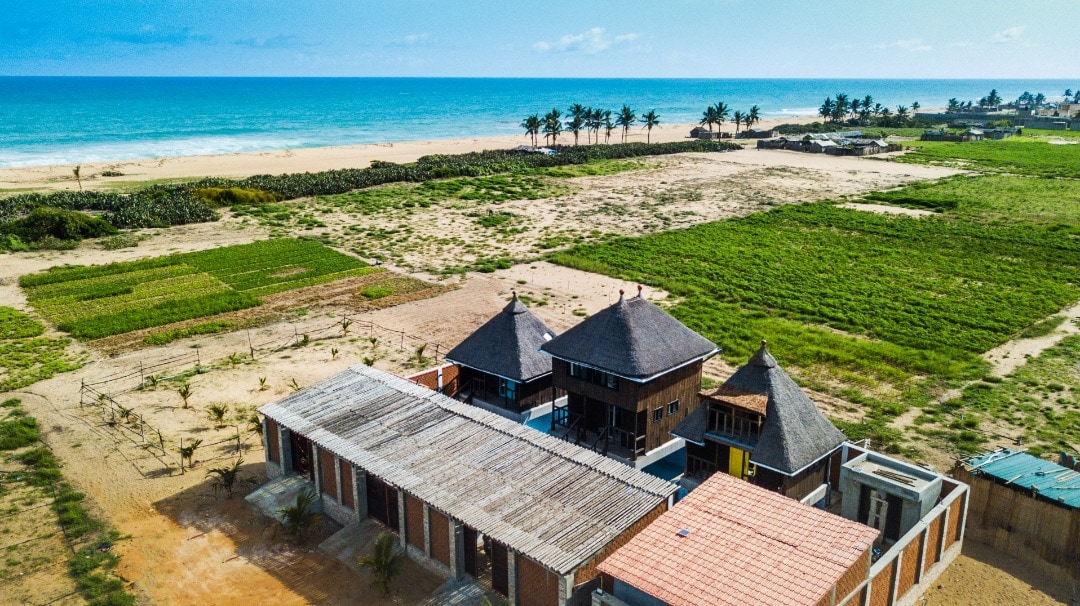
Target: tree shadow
263, 542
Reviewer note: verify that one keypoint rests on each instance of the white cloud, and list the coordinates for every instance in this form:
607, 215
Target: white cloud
914, 45
414, 38
592, 41
1009, 35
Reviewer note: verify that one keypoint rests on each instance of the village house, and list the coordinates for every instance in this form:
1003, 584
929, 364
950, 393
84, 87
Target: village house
470, 494
631, 373
761, 427
500, 367
730, 543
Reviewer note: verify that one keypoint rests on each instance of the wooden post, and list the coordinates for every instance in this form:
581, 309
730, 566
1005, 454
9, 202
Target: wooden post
238, 449
181, 456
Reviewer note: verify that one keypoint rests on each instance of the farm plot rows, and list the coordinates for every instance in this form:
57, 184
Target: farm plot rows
99, 301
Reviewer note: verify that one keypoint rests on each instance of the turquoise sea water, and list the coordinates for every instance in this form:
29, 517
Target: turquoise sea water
67, 120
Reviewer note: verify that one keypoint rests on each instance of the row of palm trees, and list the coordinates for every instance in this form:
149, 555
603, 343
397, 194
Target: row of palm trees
864, 110
588, 119
719, 113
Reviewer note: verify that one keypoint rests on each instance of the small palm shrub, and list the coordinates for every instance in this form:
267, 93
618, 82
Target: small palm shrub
301, 516
385, 563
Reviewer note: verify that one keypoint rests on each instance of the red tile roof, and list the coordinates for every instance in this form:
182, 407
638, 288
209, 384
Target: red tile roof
746, 545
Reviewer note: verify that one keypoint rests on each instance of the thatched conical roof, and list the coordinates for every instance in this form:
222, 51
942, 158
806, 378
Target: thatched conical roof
507, 345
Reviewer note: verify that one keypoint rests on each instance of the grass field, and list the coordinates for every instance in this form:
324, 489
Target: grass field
885, 311
104, 300
26, 356
1020, 155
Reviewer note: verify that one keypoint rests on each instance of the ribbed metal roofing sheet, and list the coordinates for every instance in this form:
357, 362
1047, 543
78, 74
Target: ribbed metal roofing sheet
1048, 480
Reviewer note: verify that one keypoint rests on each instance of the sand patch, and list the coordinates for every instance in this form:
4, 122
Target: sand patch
884, 209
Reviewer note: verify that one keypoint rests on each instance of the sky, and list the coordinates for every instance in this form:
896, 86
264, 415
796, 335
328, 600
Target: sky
550, 38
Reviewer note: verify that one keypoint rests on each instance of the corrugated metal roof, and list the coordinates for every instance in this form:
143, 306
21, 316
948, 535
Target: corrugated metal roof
554, 502
1048, 480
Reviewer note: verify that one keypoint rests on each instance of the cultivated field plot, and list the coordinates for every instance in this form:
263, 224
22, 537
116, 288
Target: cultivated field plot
1020, 155
25, 355
100, 301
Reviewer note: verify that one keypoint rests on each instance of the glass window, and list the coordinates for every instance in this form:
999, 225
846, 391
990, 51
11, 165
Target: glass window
658, 414
673, 407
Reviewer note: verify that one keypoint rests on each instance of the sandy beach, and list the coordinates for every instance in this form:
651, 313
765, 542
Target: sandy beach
310, 159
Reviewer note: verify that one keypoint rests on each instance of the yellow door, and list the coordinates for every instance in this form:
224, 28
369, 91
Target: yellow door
737, 463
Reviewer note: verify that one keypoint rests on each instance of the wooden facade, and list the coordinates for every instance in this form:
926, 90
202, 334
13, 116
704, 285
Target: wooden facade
634, 416
512, 395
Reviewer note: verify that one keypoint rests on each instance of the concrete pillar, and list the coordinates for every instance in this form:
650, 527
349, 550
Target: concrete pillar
925, 534
337, 478
964, 513
266, 440
895, 581
941, 536
511, 577
285, 449
566, 589
402, 522
457, 550
427, 530
316, 470
360, 492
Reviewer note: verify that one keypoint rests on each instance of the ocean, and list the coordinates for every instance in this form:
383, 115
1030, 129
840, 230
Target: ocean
65, 120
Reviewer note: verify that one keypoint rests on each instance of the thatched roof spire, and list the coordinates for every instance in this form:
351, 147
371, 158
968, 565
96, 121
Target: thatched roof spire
507, 345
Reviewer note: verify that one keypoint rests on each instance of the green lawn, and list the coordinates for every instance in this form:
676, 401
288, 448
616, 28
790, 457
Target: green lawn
102, 300
1020, 155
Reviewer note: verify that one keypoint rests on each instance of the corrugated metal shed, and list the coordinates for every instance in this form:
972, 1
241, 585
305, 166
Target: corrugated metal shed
1048, 481
554, 502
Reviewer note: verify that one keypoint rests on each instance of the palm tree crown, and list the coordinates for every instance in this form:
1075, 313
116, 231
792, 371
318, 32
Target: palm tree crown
650, 120
625, 119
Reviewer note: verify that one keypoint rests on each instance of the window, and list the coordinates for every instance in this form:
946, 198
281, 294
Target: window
658, 414
673, 407
596, 377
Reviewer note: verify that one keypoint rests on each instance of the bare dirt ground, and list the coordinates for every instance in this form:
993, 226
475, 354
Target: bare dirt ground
1009, 356
983, 576
188, 546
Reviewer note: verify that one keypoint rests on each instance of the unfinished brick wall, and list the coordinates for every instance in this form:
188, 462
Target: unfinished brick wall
326, 473
588, 571
430, 379
855, 575
882, 585
933, 539
956, 511
537, 586
347, 489
440, 537
909, 565
414, 521
272, 441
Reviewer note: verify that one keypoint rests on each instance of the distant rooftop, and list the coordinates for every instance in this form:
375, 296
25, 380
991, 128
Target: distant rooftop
732, 543
1049, 481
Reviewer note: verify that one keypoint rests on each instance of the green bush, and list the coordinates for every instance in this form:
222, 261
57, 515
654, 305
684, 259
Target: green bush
217, 197
18, 432
376, 292
57, 223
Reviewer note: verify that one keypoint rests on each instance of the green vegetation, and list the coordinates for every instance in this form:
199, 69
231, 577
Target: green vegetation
206, 328
26, 357
216, 197
102, 300
1020, 155
56, 224
92, 564
1039, 402
385, 563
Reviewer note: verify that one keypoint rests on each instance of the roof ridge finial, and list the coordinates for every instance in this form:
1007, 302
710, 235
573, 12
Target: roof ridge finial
639, 287
764, 343
621, 293
513, 294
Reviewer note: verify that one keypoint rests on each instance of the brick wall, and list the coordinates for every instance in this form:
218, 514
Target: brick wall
933, 540
854, 576
430, 379
537, 586
588, 571
879, 591
414, 521
272, 440
347, 488
909, 565
440, 537
326, 473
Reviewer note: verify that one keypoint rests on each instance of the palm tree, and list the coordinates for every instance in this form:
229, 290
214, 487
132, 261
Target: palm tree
708, 117
383, 562
754, 115
855, 104
993, 99
625, 119
737, 118
953, 106
296, 518
650, 120
608, 125
225, 477
577, 120
1068, 93
185, 393
722, 112
828, 107
749, 120
553, 125
78, 176
901, 114
841, 109
1039, 99
531, 124
915, 106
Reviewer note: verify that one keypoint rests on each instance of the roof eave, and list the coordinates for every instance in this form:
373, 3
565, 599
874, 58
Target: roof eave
646, 379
